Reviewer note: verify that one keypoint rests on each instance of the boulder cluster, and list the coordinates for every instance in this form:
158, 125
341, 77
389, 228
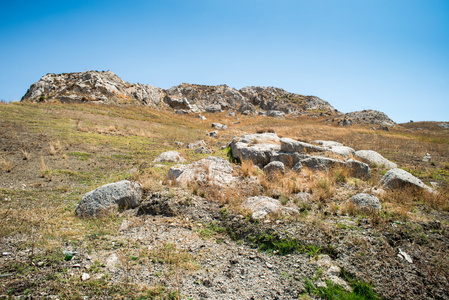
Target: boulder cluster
273, 155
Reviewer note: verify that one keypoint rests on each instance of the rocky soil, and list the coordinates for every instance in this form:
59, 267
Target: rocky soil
290, 208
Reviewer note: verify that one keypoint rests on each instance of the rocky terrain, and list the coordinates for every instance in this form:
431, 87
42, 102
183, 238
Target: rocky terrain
200, 195
106, 87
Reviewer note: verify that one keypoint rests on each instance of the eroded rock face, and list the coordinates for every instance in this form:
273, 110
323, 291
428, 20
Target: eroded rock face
92, 86
291, 145
106, 87
109, 197
255, 148
210, 170
321, 163
263, 206
372, 157
369, 116
398, 178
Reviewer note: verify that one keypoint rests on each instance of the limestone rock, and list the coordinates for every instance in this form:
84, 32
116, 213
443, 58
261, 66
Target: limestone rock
169, 156
213, 134
342, 150
427, 158
109, 197
274, 167
287, 158
196, 144
372, 157
203, 150
259, 154
444, 125
275, 113
290, 145
92, 86
366, 201
374, 117
176, 103
213, 170
258, 138
327, 144
219, 126
358, 169
213, 108
398, 178
263, 206
321, 163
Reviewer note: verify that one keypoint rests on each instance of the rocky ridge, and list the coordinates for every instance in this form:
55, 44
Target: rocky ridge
107, 87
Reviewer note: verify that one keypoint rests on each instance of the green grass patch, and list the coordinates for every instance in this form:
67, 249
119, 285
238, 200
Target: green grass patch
83, 156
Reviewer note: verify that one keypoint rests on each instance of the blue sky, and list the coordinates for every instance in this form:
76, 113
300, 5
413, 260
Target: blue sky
388, 55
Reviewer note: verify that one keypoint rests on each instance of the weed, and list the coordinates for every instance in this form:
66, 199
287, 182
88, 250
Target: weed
6, 165
274, 243
26, 154
230, 155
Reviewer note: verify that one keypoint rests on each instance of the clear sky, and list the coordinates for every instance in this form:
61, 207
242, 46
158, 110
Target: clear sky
388, 55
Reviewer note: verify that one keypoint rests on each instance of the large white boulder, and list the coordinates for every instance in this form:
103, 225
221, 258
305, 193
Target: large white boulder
214, 170
108, 198
263, 206
398, 178
372, 157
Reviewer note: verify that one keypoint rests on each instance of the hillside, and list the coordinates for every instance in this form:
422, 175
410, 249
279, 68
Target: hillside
200, 238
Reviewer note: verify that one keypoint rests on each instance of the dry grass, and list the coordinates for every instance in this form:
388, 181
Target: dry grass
26, 155
6, 165
249, 169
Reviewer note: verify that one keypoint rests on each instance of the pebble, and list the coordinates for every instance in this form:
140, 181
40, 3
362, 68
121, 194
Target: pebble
269, 266
85, 277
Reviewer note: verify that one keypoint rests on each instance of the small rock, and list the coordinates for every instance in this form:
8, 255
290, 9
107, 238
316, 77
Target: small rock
366, 201
85, 277
213, 134
274, 167
405, 256
169, 156
269, 266
427, 158
203, 150
125, 225
219, 126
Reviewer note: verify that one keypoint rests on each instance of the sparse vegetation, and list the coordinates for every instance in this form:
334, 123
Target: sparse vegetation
45, 173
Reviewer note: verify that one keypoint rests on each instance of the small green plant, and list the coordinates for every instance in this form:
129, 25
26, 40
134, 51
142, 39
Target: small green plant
273, 243
332, 291
230, 155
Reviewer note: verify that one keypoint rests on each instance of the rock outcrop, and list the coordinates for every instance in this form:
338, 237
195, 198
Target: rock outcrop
366, 201
366, 117
92, 86
263, 206
373, 158
109, 197
169, 156
210, 170
398, 178
106, 87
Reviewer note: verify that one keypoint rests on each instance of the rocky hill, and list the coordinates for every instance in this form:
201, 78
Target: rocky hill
367, 117
106, 87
